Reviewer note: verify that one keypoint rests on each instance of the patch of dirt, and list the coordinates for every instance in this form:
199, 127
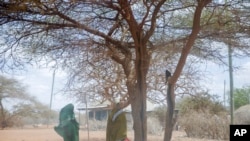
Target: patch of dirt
48, 134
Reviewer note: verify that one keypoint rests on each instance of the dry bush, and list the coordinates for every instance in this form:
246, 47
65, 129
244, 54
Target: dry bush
205, 125
154, 126
96, 125
242, 115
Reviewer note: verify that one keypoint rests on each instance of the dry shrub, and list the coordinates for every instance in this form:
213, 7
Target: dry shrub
96, 125
205, 125
242, 115
154, 126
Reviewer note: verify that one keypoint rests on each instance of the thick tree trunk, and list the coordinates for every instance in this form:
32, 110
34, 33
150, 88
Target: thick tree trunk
139, 97
139, 117
138, 105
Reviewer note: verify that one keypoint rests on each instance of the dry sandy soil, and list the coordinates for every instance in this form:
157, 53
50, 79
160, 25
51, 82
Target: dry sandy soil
48, 134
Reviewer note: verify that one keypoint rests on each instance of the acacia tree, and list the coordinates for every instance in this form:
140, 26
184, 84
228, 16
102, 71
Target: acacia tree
91, 31
20, 104
9, 89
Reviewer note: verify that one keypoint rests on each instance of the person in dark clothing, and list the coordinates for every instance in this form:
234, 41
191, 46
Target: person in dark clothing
68, 127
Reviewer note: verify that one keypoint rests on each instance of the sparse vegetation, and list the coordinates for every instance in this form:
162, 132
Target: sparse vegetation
205, 125
242, 115
160, 114
17, 107
203, 116
154, 126
202, 102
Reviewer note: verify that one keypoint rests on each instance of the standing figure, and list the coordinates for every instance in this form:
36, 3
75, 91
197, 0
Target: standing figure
68, 127
117, 124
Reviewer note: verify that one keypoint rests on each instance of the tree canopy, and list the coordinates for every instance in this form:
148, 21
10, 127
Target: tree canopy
16, 104
241, 97
89, 37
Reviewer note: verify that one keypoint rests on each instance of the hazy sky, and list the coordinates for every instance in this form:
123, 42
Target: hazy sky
39, 82
218, 75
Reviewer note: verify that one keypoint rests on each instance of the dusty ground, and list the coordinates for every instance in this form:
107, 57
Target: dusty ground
48, 134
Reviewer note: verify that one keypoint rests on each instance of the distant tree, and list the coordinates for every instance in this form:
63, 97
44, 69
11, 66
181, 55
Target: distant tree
202, 102
160, 113
20, 104
203, 116
241, 97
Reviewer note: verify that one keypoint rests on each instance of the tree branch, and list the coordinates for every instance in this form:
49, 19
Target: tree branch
186, 49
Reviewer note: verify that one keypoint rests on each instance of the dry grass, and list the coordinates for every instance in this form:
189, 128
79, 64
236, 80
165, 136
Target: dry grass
48, 134
242, 115
206, 125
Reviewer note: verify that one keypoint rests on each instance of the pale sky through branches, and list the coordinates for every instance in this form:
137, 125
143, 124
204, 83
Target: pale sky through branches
217, 76
39, 82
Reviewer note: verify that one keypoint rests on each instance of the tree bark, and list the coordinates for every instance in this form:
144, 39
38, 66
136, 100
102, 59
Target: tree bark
2, 114
139, 117
138, 105
138, 97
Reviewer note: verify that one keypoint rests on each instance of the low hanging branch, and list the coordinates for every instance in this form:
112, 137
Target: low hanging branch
173, 79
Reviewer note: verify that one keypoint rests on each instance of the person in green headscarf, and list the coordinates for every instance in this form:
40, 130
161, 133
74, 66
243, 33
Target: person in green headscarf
117, 124
68, 127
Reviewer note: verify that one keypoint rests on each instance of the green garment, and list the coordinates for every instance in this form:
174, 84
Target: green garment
116, 126
68, 127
